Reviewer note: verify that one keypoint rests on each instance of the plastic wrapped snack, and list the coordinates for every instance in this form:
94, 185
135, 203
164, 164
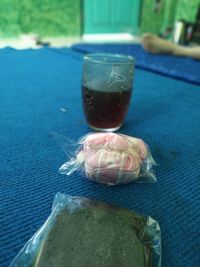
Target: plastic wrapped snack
80, 232
111, 158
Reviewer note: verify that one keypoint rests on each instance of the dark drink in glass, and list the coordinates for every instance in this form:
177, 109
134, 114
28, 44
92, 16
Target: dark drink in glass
106, 90
105, 110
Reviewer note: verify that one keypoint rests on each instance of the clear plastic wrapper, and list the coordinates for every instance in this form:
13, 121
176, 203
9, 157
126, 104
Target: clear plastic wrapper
109, 158
80, 232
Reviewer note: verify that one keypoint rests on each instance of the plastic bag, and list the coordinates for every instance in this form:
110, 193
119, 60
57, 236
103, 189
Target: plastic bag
81, 232
111, 158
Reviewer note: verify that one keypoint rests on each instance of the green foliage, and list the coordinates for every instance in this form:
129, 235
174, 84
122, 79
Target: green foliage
187, 10
171, 10
9, 17
43, 17
151, 21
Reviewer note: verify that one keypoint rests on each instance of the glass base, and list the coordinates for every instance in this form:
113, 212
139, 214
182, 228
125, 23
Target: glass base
105, 129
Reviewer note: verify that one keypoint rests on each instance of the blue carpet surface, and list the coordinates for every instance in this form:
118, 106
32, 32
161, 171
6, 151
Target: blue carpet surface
182, 68
34, 86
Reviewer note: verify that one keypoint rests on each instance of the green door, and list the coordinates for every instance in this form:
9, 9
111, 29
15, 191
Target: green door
111, 16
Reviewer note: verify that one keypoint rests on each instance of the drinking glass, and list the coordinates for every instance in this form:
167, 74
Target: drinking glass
106, 90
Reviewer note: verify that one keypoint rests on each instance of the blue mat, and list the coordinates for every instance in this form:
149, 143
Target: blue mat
34, 86
182, 68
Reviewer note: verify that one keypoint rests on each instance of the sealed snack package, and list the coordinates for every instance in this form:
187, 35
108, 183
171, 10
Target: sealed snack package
111, 158
81, 232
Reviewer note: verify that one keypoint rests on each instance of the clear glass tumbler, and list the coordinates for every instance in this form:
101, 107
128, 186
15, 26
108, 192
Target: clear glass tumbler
106, 90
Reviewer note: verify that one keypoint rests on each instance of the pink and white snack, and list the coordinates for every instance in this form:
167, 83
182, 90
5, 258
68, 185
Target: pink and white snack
111, 158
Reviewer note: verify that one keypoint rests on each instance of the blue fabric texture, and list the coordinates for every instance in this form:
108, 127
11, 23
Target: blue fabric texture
34, 86
182, 68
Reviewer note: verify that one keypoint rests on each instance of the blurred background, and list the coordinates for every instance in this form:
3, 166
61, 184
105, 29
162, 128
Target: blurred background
32, 23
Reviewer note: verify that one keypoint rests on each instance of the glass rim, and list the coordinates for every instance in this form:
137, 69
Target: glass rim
105, 58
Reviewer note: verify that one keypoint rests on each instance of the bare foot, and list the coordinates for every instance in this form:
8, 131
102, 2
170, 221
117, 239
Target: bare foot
156, 45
